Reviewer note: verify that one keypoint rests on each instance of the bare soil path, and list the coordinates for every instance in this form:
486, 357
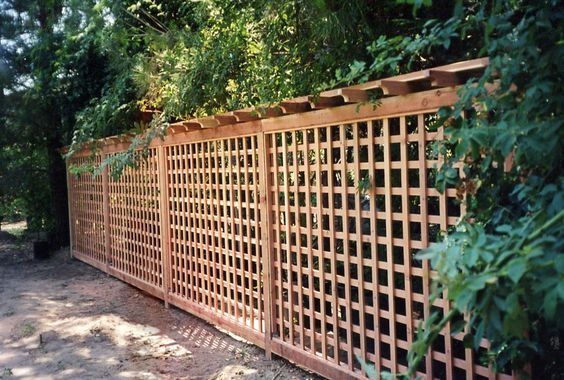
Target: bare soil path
61, 319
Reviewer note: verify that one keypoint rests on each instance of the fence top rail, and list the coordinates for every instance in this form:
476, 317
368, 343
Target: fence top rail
251, 120
442, 76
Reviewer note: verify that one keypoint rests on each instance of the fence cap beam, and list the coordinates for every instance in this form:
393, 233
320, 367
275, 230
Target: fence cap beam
320, 102
225, 119
246, 115
295, 106
125, 138
442, 76
401, 87
205, 122
349, 95
183, 126
111, 140
270, 111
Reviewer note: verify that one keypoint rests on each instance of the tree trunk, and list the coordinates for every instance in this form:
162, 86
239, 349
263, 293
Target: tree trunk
59, 199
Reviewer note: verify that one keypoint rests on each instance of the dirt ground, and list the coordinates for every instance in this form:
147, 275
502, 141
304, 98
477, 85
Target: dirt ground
62, 319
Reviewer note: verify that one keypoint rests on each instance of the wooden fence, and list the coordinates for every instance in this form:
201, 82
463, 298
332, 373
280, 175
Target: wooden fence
260, 225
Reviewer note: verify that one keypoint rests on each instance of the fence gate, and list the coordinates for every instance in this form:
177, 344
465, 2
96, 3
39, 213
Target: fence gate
297, 232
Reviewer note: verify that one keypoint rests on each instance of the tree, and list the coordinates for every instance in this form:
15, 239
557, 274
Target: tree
50, 70
76, 70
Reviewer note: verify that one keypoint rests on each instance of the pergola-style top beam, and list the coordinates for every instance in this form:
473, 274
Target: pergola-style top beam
443, 76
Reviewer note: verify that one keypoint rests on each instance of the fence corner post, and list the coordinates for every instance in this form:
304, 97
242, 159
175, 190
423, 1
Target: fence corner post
164, 219
106, 211
69, 205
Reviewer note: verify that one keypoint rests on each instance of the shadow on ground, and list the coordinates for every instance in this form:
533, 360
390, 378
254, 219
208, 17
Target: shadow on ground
61, 319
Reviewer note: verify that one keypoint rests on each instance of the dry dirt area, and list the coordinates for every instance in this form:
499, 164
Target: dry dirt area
62, 319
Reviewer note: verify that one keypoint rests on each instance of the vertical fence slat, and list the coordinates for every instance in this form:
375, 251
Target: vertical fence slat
239, 236
422, 145
266, 240
374, 247
277, 314
333, 260
309, 242
218, 216
389, 245
404, 158
298, 249
212, 166
164, 221
258, 237
106, 211
287, 223
225, 228
344, 170
359, 238
320, 255
446, 305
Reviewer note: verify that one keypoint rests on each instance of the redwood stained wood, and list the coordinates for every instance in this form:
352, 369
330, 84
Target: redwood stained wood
164, 219
261, 228
106, 211
265, 199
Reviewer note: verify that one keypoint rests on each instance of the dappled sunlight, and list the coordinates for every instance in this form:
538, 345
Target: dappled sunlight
236, 369
136, 375
203, 337
84, 324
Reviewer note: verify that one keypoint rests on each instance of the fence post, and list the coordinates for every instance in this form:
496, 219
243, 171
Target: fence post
106, 211
266, 239
164, 218
69, 204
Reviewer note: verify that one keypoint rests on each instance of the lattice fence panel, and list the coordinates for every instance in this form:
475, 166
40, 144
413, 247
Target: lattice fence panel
351, 205
87, 214
214, 227
135, 236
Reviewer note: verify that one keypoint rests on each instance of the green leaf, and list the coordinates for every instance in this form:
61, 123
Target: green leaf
500, 303
487, 255
471, 257
561, 289
504, 229
516, 323
464, 299
516, 269
467, 340
478, 282
559, 263
549, 304
457, 327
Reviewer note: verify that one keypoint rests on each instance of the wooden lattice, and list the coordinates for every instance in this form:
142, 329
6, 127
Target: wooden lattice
135, 236
297, 232
352, 204
87, 211
214, 228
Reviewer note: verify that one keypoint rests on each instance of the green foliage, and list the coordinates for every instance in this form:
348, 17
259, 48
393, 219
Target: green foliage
502, 265
22, 174
198, 58
50, 68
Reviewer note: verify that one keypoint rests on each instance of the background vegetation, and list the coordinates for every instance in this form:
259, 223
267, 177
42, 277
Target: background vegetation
72, 71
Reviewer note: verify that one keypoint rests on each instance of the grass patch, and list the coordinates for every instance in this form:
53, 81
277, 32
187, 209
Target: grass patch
28, 329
